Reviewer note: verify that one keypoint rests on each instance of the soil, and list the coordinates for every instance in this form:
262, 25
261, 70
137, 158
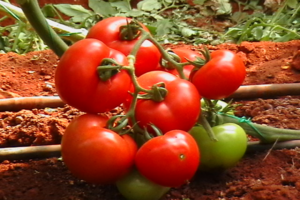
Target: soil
261, 176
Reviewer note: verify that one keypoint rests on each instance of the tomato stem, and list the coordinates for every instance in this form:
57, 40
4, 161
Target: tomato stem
207, 127
37, 20
165, 55
130, 31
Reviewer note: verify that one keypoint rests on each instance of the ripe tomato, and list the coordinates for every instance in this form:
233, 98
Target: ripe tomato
96, 154
169, 160
226, 152
179, 110
134, 186
108, 31
221, 76
184, 54
77, 81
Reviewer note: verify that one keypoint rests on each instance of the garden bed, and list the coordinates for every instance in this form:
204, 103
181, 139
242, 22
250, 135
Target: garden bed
267, 174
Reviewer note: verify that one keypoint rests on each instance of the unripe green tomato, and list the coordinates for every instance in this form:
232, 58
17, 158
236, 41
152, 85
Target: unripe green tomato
134, 186
224, 153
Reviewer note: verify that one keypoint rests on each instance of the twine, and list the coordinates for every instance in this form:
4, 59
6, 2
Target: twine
244, 120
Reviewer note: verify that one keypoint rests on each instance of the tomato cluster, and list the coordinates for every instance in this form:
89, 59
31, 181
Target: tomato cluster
155, 144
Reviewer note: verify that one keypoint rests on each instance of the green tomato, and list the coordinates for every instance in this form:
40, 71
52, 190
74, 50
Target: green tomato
224, 153
134, 186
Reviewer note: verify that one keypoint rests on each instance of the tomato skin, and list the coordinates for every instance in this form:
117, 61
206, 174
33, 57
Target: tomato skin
226, 152
221, 76
77, 81
96, 154
179, 110
184, 54
134, 186
108, 31
170, 160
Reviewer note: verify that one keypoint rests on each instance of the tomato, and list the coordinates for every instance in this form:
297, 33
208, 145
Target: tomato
221, 76
226, 152
184, 54
179, 110
96, 154
134, 186
77, 81
108, 31
170, 160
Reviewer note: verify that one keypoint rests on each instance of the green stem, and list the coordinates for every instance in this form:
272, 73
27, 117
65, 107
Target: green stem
38, 21
207, 127
16, 39
266, 134
167, 57
71, 34
293, 16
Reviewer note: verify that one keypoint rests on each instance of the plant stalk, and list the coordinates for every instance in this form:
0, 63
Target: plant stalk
37, 20
266, 134
66, 32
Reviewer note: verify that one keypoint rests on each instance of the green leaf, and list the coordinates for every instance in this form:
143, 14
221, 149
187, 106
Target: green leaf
187, 32
122, 6
163, 27
287, 37
292, 3
136, 13
77, 12
149, 5
257, 33
224, 8
103, 8
199, 2
48, 11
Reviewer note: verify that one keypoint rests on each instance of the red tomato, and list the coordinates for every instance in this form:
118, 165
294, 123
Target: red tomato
184, 54
77, 81
108, 31
179, 110
221, 76
169, 160
96, 154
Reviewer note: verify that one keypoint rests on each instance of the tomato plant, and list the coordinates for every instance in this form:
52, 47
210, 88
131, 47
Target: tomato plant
96, 154
169, 160
184, 55
78, 83
179, 109
108, 31
221, 76
219, 106
224, 153
134, 186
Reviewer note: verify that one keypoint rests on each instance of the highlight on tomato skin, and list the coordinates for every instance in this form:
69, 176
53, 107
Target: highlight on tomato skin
96, 154
170, 160
221, 76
